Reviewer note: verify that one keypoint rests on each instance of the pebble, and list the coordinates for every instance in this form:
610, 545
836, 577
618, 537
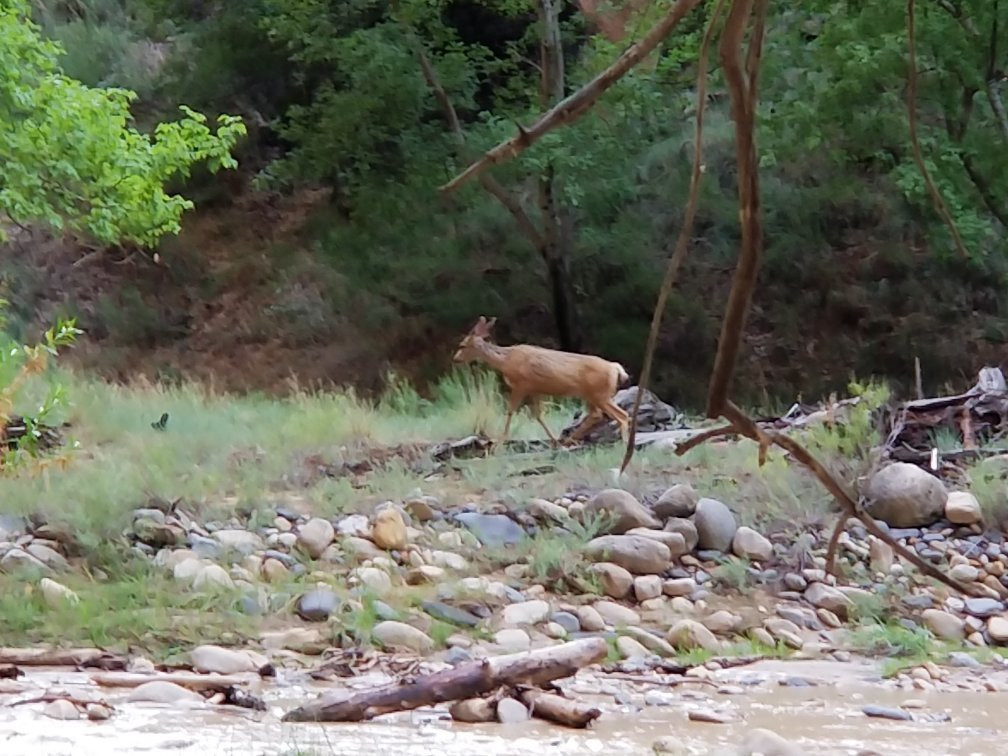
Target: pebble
689, 634
315, 535
616, 581
647, 587
983, 607
997, 628
614, 614
473, 710
679, 587
567, 621
590, 619
392, 634
163, 692
61, 708
748, 544
447, 613
526, 613
389, 530
316, 605
630, 648
510, 711
512, 639
944, 625
886, 712
659, 697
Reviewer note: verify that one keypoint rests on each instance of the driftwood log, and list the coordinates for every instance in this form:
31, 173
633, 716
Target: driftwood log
61, 657
464, 681
190, 680
559, 710
976, 420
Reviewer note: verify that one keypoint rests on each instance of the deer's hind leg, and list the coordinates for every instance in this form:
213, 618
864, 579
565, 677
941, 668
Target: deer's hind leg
590, 421
621, 417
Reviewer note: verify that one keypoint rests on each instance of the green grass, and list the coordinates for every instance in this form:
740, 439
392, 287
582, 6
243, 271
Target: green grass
143, 610
227, 457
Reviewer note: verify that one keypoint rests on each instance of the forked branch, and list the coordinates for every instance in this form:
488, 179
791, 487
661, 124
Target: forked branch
571, 108
745, 426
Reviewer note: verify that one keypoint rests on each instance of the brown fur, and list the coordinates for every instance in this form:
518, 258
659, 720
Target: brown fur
532, 372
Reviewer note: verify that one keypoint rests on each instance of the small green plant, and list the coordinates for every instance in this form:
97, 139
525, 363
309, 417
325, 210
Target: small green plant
19, 365
733, 572
893, 639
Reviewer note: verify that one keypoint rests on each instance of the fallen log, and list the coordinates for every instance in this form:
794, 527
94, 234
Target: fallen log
61, 657
190, 680
464, 681
559, 710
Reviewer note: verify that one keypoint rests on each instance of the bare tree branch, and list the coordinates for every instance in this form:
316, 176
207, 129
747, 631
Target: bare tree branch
743, 93
577, 104
744, 425
488, 182
936, 197
682, 241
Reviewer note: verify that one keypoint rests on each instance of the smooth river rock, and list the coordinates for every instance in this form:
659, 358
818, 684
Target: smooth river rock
639, 555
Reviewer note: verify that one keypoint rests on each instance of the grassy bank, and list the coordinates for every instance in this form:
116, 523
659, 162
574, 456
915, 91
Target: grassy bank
233, 460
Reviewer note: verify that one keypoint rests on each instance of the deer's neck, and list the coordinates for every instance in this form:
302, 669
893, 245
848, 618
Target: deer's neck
495, 356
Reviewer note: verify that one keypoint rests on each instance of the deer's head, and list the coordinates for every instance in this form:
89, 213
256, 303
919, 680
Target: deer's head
467, 350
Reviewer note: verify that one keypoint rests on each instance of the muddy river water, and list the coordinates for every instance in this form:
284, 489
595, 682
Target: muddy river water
818, 709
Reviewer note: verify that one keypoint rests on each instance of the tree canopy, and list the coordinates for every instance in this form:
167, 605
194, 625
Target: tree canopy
70, 156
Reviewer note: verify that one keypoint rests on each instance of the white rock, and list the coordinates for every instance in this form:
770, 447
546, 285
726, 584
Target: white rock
315, 535
630, 648
163, 692
615, 580
962, 508
224, 661
590, 619
61, 708
57, 594
512, 639
526, 612
449, 560
392, 634
688, 634
242, 541
647, 587
616, 614
748, 544
212, 575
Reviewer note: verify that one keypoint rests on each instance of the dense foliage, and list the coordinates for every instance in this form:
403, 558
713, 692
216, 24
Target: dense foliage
339, 98
69, 156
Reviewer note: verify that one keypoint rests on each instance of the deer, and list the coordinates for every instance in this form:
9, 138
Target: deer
532, 372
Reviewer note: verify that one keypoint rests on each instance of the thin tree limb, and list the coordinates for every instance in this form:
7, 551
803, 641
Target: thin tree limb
577, 104
682, 241
488, 182
936, 197
743, 93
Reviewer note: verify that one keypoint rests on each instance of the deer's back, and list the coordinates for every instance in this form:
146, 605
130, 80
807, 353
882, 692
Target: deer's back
538, 370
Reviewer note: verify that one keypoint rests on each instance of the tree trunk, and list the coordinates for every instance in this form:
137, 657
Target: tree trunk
556, 246
563, 711
464, 681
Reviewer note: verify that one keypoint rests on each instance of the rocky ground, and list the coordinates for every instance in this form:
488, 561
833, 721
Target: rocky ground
669, 580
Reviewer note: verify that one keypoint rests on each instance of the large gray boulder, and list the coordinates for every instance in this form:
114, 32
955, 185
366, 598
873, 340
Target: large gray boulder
621, 510
715, 525
905, 496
